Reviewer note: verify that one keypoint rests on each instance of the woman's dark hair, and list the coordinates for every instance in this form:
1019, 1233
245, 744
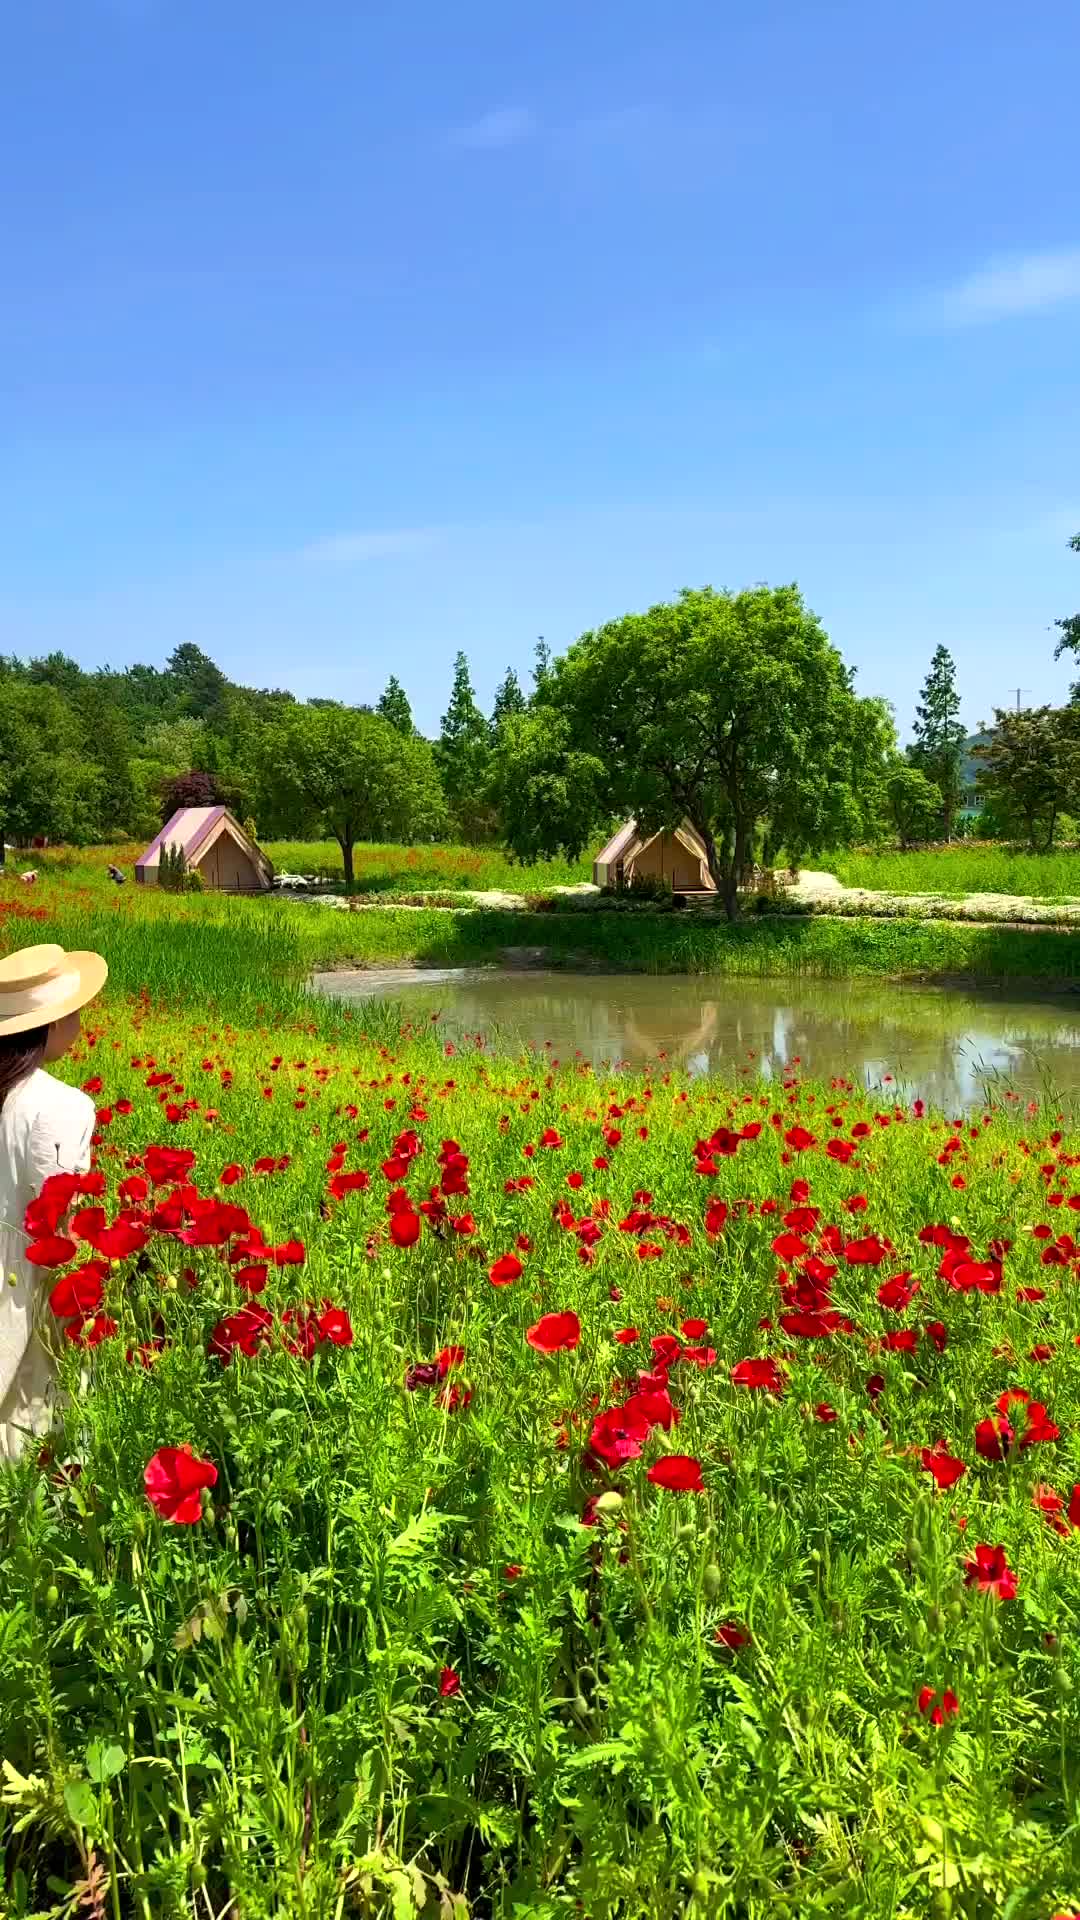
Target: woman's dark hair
20, 1054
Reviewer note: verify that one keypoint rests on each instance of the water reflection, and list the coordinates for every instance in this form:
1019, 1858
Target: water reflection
945, 1046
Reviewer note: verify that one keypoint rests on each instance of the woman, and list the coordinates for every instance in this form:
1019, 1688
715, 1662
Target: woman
45, 1127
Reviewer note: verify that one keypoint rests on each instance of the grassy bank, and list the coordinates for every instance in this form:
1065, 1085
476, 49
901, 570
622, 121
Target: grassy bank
264, 949
964, 868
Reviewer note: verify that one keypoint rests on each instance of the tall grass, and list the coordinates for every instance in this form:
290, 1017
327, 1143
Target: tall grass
953, 871
443, 869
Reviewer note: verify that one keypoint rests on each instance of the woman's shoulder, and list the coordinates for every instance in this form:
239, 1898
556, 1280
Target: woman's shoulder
43, 1099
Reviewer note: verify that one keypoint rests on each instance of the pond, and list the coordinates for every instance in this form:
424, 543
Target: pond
944, 1045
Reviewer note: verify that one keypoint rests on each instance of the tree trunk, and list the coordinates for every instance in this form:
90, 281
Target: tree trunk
345, 842
725, 873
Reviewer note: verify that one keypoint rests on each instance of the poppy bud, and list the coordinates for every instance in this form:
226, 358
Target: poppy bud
936, 1619
687, 1531
609, 1502
711, 1580
52, 1595
956, 1610
914, 1551
1063, 1682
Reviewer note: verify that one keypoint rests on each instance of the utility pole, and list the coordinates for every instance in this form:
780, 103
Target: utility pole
1018, 691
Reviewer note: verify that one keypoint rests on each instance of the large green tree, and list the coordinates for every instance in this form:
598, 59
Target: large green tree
350, 774
48, 784
464, 754
730, 710
913, 803
550, 795
394, 706
1031, 770
937, 748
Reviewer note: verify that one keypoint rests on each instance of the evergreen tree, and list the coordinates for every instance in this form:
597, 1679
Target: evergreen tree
542, 662
508, 699
394, 706
464, 755
938, 746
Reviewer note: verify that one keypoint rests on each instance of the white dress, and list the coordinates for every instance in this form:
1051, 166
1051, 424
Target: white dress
45, 1127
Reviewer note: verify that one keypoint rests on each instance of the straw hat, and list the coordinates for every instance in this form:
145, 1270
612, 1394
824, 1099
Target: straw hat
41, 984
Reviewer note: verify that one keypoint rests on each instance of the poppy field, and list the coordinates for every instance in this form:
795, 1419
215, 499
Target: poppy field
484, 1487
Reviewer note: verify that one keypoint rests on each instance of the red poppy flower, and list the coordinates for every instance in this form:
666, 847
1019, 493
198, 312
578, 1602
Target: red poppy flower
505, 1269
824, 1413
991, 1573
937, 1712
335, 1326
868, 1252
90, 1332
404, 1227
993, 1438
52, 1250
693, 1329
627, 1336
897, 1293
763, 1374
619, 1434
77, 1293
555, 1333
449, 1683
120, 1241
732, 1636
174, 1479
678, 1471
944, 1467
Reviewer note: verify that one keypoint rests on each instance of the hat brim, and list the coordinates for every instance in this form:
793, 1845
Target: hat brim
93, 971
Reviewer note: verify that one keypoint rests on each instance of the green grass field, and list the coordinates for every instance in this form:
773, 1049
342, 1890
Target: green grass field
599, 1499
385, 869
963, 868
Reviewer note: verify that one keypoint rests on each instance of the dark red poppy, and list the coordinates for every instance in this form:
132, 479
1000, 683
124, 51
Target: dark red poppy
680, 1472
555, 1333
174, 1479
449, 1683
991, 1573
731, 1636
993, 1437
825, 1413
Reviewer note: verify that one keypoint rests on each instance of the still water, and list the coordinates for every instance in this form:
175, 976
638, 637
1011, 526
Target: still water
944, 1045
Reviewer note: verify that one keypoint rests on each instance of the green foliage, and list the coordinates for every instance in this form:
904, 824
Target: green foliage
937, 749
394, 706
172, 868
509, 699
351, 774
732, 711
551, 796
464, 758
49, 786
914, 803
1031, 769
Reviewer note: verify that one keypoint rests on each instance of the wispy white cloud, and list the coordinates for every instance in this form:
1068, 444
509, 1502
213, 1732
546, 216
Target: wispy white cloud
382, 543
503, 127
1005, 287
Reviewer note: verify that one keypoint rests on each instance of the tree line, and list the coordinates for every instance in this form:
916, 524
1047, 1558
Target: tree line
733, 711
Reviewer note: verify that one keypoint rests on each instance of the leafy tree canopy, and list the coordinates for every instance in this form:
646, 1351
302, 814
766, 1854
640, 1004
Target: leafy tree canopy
730, 710
1031, 770
394, 706
350, 774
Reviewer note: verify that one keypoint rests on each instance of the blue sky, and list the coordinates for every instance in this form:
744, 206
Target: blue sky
335, 337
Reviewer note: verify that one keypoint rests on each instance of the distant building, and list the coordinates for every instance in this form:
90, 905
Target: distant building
214, 845
970, 771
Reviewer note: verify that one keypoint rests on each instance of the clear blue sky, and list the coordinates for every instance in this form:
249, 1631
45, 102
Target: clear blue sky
336, 336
